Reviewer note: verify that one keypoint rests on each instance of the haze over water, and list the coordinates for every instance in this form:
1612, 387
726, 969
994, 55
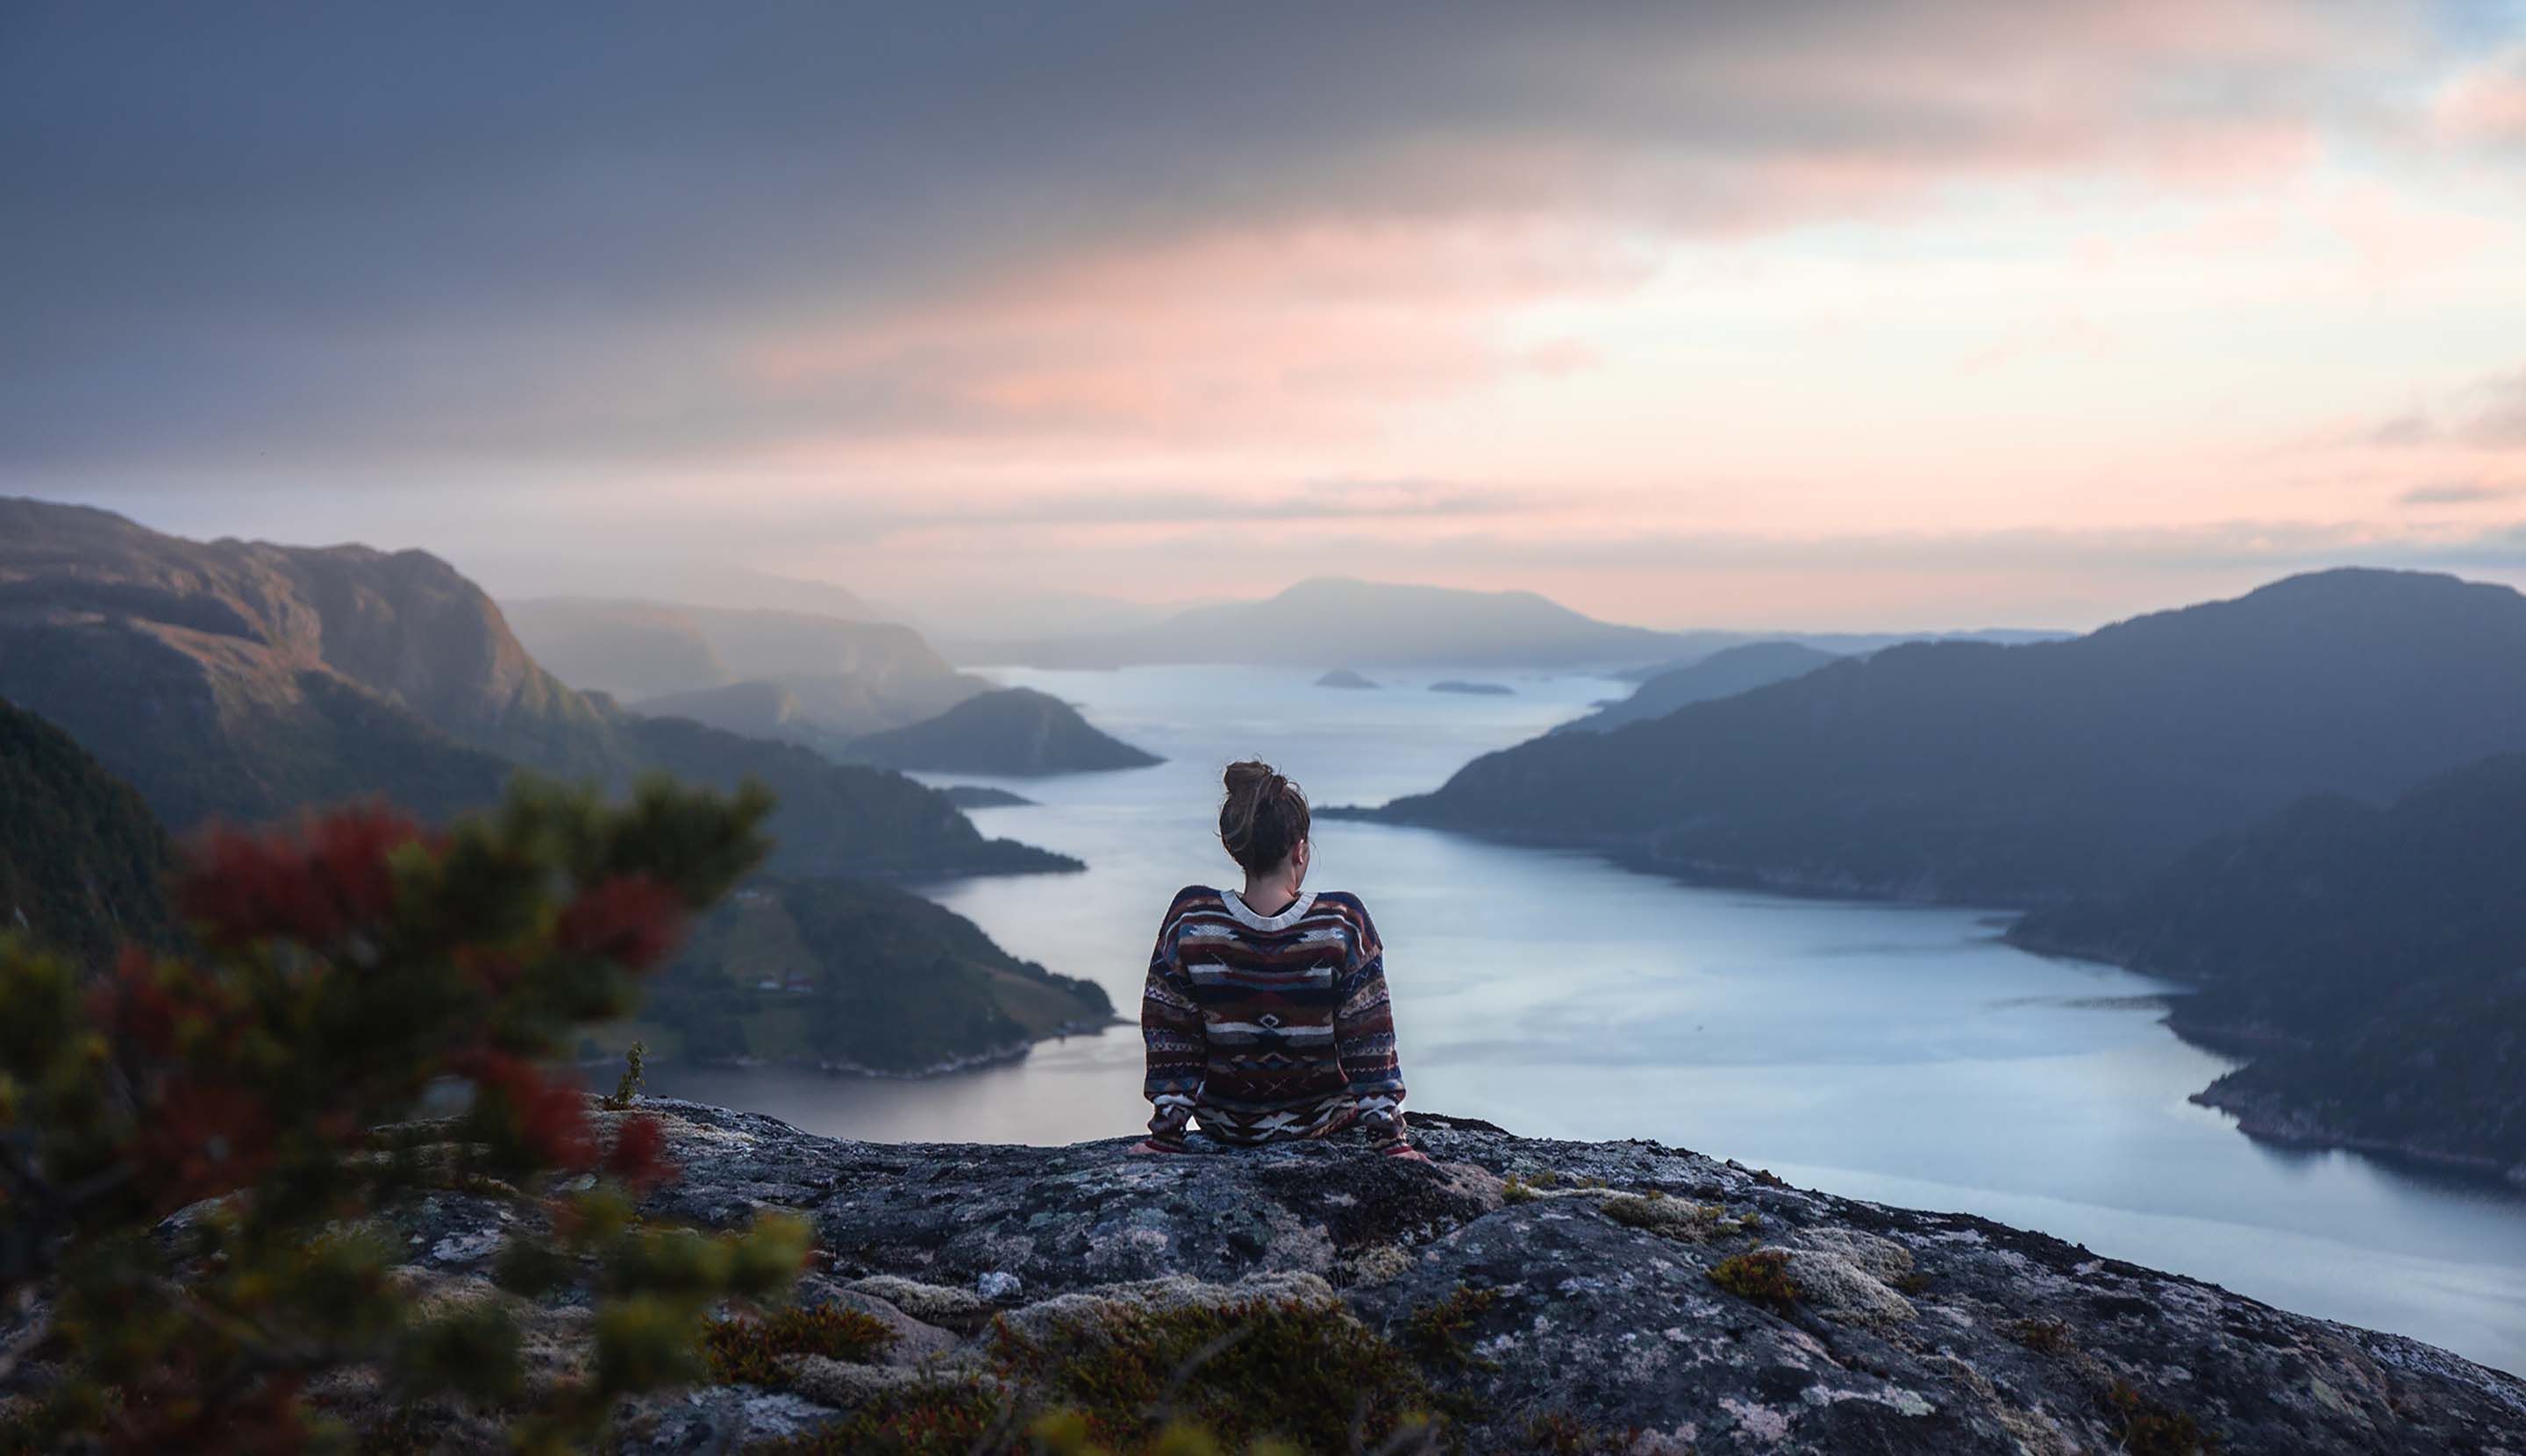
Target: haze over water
1895, 1053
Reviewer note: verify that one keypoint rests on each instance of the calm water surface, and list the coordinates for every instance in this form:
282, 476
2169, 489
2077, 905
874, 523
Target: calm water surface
1891, 1053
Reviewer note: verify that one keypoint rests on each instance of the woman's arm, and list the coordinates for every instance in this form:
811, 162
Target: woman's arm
1176, 1045
1364, 1040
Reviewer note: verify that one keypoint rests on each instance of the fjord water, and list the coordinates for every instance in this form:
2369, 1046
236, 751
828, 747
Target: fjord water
1895, 1053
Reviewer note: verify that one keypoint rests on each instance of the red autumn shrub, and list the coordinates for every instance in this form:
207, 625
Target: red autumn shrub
344, 966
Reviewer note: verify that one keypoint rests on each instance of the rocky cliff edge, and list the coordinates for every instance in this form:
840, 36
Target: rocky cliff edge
1531, 1294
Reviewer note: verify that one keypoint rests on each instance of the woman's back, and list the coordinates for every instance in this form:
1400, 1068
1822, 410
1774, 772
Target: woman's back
1265, 1012
1280, 1021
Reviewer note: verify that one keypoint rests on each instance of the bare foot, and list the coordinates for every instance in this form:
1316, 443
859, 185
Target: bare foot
1144, 1146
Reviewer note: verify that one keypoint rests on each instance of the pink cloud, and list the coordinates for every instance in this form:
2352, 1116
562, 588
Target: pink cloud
2484, 104
1211, 338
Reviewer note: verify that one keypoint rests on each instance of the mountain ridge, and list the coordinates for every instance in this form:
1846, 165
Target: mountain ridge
1371, 624
244, 680
2015, 775
1723, 674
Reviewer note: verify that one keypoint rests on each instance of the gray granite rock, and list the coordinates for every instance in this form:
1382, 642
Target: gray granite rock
1590, 1301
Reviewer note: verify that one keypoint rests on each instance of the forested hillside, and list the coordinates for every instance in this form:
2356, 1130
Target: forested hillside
83, 865
2372, 960
2024, 774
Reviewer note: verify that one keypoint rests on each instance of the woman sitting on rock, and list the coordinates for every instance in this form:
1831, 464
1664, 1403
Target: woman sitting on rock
1265, 1014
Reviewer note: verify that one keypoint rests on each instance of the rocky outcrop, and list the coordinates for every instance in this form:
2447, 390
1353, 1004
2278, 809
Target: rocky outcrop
1534, 1294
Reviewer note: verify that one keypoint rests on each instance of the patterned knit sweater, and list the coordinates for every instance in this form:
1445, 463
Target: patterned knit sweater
1268, 1027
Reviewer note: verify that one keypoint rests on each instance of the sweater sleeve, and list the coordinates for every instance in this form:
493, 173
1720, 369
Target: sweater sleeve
1364, 1039
1171, 1032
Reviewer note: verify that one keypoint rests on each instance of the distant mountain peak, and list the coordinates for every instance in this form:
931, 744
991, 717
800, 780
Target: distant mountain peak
1358, 588
1371, 623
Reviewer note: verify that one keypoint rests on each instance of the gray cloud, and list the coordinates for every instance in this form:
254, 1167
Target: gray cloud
2250, 545
339, 233
2459, 493
2404, 429
2499, 420
2487, 414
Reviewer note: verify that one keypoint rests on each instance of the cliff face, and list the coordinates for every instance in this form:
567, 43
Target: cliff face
1539, 1295
243, 679
408, 625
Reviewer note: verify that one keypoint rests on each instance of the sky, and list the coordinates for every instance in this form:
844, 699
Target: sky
1847, 315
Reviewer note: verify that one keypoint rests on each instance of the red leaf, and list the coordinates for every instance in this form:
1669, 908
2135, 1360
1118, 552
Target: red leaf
633, 921
550, 1119
206, 1139
311, 886
638, 1156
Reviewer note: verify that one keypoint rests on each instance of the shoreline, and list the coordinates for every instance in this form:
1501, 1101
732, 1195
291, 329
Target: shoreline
2270, 1119
992, 1056
2258, 1118
1628, 853
2267, 1119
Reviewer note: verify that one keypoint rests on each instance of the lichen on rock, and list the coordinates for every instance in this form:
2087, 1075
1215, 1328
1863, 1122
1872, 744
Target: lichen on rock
1581, 1319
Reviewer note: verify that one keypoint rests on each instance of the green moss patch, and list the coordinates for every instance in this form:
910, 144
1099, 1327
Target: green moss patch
1760, 1278
1674, 1218
1436, 1332
1560, 1434
2145, 1429
757, 1352
2042, 1336
1303, 1372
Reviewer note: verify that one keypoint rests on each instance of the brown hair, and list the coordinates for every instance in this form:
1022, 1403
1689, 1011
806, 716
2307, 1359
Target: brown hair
1264, 817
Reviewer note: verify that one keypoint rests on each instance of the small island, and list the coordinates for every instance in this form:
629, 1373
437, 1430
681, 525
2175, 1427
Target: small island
985, 796
1344, 677
1477, 689
1014, 732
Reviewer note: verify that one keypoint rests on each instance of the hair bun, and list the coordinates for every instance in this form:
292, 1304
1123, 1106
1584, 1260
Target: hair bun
1264, 817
